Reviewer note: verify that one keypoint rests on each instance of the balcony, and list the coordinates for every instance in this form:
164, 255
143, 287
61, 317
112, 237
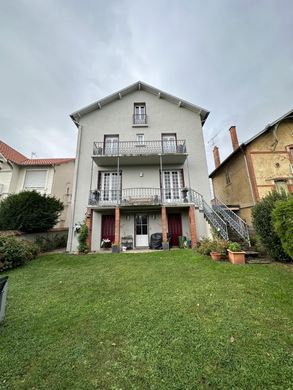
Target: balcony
143, 197
139, 119
139, 153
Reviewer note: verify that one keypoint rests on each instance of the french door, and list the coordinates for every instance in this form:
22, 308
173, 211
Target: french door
141, 229
172, 185
139, 114
169, 143
110, 185
111, 144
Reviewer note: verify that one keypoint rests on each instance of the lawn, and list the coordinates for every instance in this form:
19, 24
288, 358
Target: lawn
162, 320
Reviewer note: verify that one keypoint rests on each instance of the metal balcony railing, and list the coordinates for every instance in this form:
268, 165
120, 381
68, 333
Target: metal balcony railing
136, 148
159, 196
139, 119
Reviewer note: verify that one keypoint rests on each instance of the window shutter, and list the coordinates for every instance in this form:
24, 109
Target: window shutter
35, 179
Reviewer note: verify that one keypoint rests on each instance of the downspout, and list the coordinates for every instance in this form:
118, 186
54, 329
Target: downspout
248, 175
73, 201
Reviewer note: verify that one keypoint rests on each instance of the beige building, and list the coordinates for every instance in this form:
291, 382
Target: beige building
256, 167
48, 176
140, 169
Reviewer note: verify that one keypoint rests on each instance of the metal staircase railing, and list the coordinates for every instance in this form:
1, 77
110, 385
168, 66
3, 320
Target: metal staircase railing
211, 215
233, 220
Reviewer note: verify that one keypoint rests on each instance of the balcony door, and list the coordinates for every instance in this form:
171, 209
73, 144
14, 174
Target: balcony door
141, 229
169, 143
172, 185
139, 116
110, 186
111, 144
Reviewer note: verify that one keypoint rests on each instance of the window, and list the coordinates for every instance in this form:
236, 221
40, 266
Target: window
139, 115
139, 139
281, 186
111, 144
110, 186
35, 179
227, 176
169, 142
172, 184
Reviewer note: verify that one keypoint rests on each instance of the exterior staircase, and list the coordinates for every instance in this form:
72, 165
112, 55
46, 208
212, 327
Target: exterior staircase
211, 215
237, 228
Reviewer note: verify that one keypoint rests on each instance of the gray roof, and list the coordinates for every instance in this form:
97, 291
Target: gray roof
288, 115
139, 85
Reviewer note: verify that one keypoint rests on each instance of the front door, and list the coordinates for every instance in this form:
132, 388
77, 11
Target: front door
108, 228
141, 228
175, 227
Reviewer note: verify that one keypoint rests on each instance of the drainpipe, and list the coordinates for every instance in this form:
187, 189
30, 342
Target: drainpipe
248, 175
74, 187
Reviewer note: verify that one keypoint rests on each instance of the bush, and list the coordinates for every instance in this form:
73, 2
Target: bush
47, 244
14, 253
263, 225
207, 246
234, 247
29, 212
82, 238
283, 224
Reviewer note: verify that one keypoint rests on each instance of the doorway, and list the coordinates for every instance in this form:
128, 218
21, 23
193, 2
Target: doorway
175, 227
141, 230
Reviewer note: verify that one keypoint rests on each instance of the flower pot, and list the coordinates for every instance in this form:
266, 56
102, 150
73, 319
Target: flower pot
115, 249
165, 245
236, 257
216, 256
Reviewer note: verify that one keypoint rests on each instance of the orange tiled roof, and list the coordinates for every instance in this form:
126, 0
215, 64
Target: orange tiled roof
13, 155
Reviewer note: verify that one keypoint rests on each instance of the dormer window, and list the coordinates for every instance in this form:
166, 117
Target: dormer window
139, 114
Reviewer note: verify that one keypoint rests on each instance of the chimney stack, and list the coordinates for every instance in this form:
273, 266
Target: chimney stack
234, 137
216, 156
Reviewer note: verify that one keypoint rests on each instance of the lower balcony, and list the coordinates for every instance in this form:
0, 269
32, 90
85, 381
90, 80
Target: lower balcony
141, 197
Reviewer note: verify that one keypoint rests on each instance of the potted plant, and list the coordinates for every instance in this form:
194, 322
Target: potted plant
235, 254
115, 248
218, 249
106, 243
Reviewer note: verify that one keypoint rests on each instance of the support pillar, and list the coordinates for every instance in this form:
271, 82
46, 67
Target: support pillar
192, 226
89, 224
117, 226
164, 224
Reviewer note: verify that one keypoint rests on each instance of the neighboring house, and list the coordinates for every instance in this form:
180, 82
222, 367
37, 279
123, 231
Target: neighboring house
255, 167
51, 176
140, 167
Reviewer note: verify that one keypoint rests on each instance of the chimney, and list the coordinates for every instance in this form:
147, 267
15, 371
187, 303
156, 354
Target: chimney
216, 156
234, 137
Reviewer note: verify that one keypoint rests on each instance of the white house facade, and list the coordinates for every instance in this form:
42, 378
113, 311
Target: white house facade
140, 169
48, 176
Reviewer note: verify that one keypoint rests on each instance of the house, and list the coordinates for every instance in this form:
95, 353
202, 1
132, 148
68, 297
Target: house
51, 176
140, 169
255, 167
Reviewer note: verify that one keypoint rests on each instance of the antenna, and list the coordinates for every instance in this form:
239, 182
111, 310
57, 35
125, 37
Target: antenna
33, 155
211, 142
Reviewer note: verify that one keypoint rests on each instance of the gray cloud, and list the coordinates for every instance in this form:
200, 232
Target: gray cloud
234, 58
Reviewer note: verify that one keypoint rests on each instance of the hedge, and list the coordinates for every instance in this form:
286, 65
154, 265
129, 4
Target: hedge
283, 223
14, 253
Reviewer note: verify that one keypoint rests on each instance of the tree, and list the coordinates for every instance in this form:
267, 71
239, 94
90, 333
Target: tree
263, 225
29, 211
283, 224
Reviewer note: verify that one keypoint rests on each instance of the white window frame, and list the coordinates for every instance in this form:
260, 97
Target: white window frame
37, 188
140, 139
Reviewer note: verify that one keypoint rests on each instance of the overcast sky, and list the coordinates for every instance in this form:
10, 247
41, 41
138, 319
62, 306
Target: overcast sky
232, 57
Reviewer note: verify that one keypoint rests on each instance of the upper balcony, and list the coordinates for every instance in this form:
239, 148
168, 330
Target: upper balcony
139, 153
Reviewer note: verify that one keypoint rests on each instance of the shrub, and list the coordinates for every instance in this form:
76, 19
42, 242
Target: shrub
207, 246
14, 253
29, 212
263, 225
283, 223
82, 238
234, 247
50, 243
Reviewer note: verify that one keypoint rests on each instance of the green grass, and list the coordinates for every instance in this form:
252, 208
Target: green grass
162, 320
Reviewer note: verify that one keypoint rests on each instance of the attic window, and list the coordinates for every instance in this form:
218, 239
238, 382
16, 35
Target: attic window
139, 114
